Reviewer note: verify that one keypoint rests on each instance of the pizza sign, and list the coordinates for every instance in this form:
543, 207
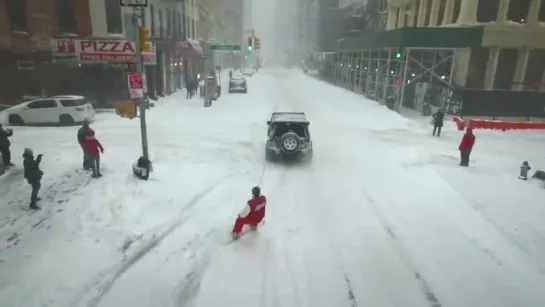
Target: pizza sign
98, 50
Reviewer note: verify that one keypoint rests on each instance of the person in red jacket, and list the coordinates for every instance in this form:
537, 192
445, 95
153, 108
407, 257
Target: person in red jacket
94, 148
466, 146
252, 214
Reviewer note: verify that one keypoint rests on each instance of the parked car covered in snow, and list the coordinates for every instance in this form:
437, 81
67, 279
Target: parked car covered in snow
288, 136
63, 110
238, 84
4, 107
248, 72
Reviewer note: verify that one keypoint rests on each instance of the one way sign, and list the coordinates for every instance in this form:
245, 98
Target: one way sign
134, 3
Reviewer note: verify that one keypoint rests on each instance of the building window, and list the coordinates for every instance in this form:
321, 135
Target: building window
188, 27
152, 19
184, 27
160, 17
67, 17
113, 17
175, 24
180, 27
143, 18
194, 29
17, 15
169, 23
175, 32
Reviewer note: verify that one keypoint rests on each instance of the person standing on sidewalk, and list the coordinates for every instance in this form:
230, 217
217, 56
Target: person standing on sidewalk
438, 118
5, 145
94, 148
33, 174
466, 146
82, 135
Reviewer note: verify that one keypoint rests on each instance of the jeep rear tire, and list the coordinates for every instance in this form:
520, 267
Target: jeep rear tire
290, 142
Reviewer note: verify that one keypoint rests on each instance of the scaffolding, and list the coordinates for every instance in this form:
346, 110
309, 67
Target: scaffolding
387, 74
408, 67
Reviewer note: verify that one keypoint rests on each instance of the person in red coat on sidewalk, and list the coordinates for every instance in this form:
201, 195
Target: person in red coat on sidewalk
466, 146
94, 148
252, 214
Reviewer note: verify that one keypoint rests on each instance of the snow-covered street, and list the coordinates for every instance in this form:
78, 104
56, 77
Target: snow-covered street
382, 216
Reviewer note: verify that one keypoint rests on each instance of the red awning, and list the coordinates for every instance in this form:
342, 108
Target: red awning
191, 47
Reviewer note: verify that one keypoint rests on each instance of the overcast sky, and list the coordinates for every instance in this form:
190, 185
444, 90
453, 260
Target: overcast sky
274, 24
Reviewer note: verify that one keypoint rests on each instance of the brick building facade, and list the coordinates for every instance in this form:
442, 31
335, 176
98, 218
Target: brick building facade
26, 29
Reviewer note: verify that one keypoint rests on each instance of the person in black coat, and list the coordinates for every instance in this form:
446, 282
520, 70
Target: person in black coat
4, 145
82, 135
438, 118
33, 175
189, 88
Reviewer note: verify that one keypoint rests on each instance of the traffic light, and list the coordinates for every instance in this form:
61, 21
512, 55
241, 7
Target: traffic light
250, 43
257, 43
145, 43
399, 53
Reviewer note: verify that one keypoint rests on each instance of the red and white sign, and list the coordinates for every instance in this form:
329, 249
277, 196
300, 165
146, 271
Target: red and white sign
135, 80
136, 84
98, 50
136, 93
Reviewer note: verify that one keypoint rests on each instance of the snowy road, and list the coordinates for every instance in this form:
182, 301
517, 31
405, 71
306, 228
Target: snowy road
383, 216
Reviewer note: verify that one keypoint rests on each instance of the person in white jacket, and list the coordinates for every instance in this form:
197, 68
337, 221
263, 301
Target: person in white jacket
252, 214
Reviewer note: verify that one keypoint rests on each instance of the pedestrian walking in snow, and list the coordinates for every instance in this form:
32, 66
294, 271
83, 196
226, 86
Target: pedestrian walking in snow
5, 144
94, 148
252, 214
466, 146
82, 134
189, 88
33, 174
438, 118
195, 86
524, 168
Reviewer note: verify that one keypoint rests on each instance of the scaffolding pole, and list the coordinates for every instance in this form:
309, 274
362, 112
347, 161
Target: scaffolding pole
377, 73
402, 95
369, 55
361, 69
387, 74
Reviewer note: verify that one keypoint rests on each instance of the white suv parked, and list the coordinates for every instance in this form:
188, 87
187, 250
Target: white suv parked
64, 110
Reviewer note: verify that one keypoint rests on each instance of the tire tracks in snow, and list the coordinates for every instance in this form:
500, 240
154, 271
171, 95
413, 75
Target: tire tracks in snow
187, 290
351, 296
426, 289
94, 294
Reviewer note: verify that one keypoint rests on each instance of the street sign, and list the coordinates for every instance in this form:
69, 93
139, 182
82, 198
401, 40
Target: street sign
133, 3
219, 47
136, 84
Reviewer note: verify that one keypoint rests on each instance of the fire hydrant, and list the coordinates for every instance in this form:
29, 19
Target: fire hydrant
524, 168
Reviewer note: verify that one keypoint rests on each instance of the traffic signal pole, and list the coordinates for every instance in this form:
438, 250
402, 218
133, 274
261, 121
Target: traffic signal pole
139, 69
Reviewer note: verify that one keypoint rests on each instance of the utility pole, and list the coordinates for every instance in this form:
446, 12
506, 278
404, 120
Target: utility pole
139, 69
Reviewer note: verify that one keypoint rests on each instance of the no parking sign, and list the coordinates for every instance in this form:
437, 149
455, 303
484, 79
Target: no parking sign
136, 82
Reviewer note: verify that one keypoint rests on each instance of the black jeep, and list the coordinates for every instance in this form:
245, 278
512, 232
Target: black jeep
288, 135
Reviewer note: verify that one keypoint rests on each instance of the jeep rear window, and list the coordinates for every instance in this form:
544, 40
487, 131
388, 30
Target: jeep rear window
73, 102
282, 128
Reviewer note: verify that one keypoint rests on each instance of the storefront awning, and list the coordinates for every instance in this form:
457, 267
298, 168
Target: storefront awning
191, 47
